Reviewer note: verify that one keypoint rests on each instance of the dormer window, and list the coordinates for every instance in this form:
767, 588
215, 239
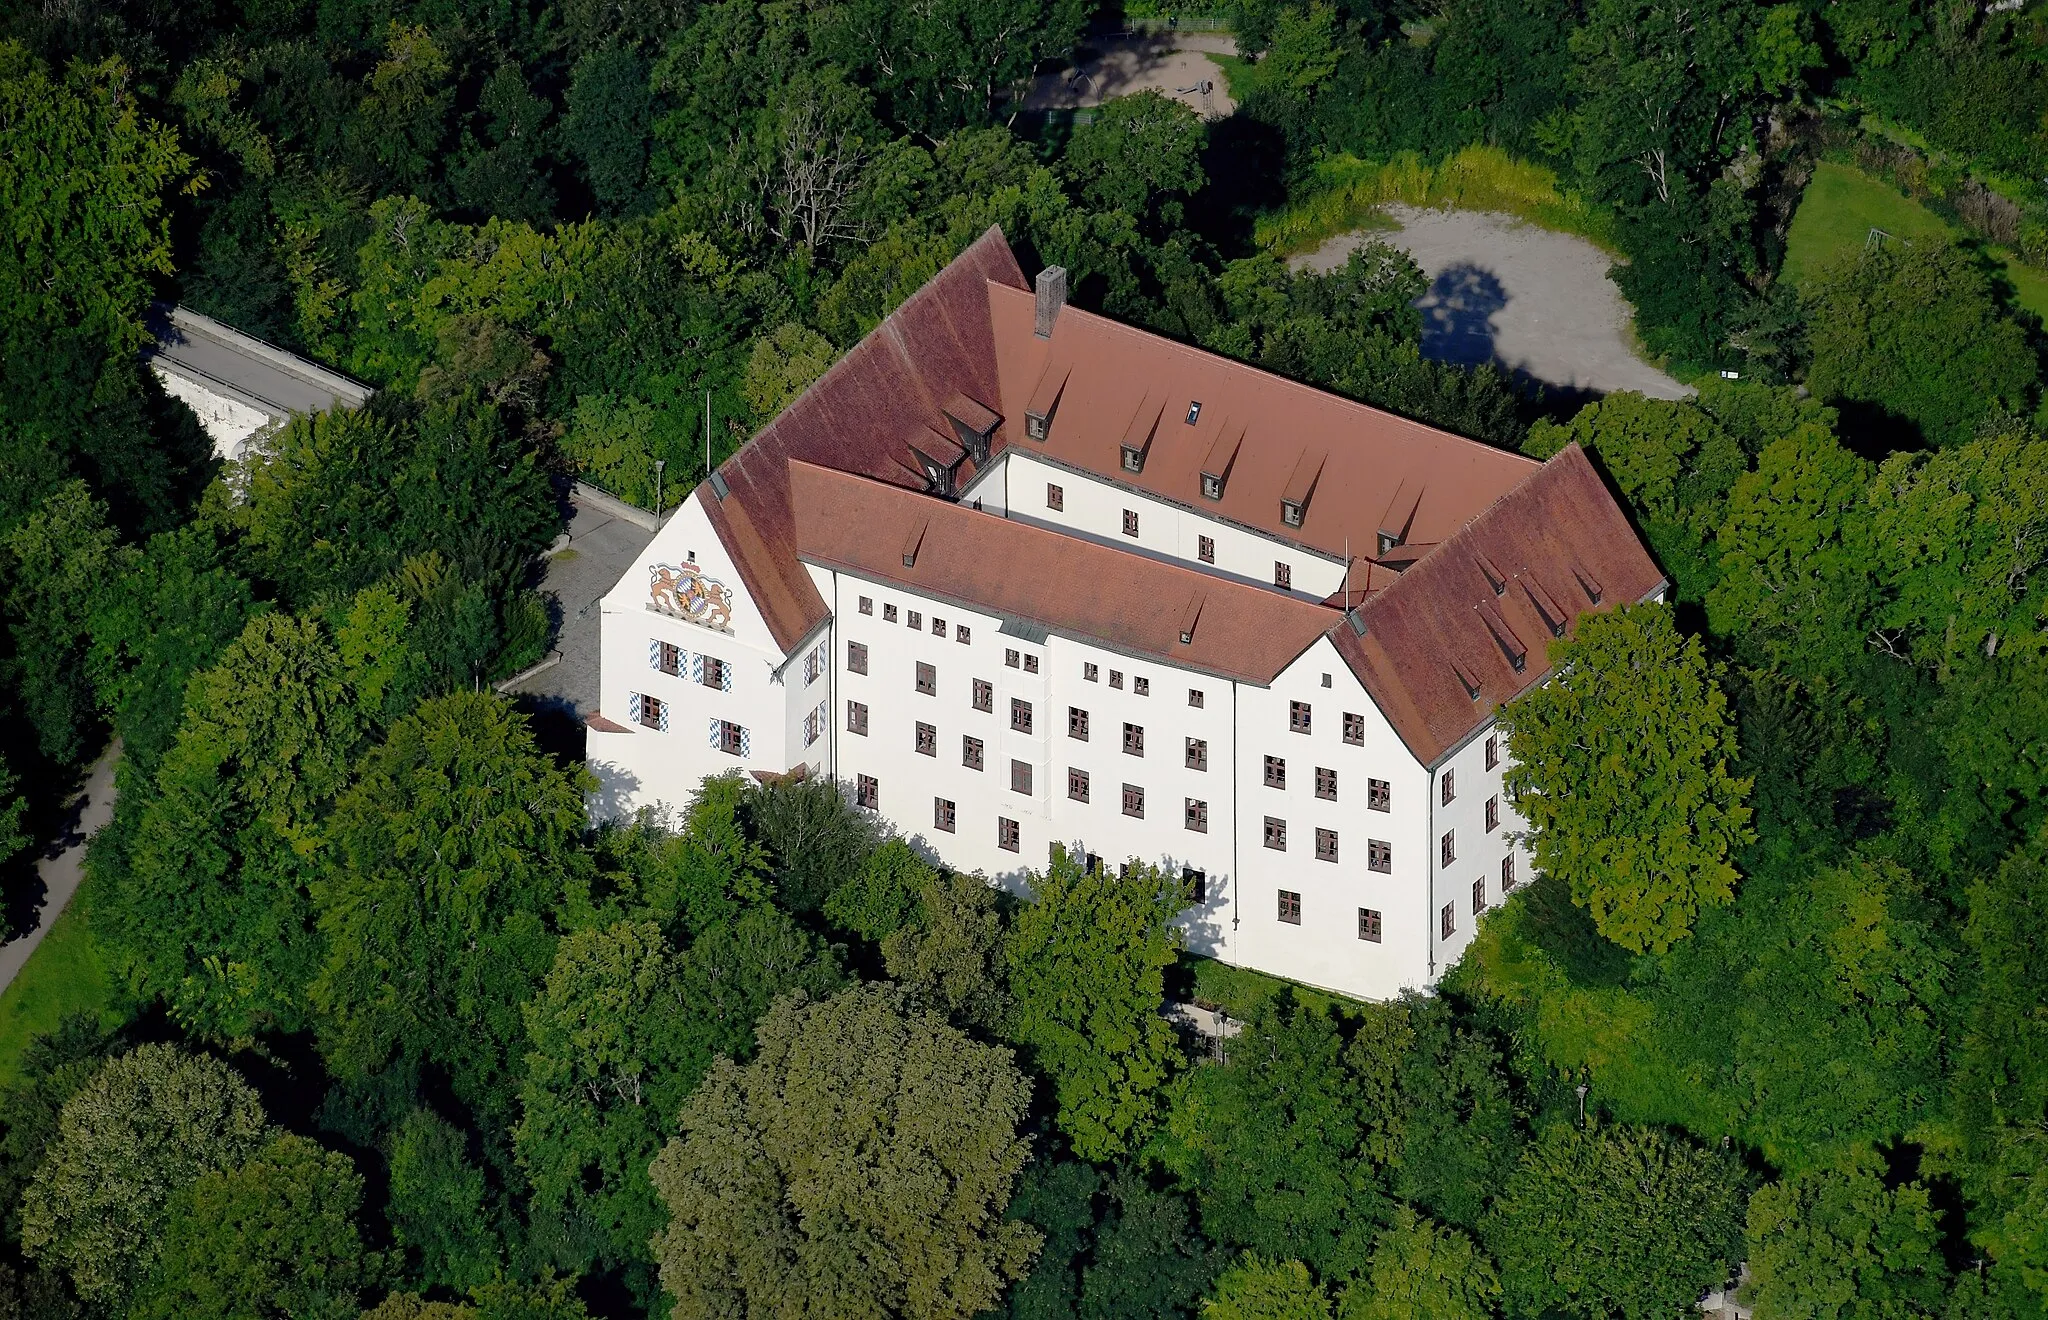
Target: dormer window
1194, 412
1212, 486
1134, 459
1035, 426
1290, 513
1387, 542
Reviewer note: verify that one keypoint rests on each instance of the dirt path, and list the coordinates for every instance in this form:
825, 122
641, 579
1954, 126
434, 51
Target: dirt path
1538, 303
1108, 67
63, 866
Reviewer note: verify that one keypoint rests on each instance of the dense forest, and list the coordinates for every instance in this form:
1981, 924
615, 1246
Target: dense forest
401, 1035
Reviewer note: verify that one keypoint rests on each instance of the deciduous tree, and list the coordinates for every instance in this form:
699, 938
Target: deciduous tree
1841, 1244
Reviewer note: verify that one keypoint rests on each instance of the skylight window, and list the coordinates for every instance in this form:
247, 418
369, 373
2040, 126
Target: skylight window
1194, 412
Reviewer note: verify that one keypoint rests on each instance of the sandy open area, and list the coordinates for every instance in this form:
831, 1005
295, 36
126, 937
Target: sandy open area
1538, 303
1176, 64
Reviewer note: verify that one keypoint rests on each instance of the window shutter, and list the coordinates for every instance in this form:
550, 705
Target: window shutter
662, 714
633, 708
697, 674
746, 745
653, 654
725, 678
714, 735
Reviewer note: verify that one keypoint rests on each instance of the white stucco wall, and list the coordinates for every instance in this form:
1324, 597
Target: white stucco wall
229, 423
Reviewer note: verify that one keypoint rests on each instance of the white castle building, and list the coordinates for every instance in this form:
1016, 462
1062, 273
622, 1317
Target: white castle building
1026, 577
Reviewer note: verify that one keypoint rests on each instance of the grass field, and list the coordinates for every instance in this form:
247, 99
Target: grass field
1841, 207
66, 974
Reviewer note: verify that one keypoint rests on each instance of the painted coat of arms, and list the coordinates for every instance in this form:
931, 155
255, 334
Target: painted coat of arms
684, 592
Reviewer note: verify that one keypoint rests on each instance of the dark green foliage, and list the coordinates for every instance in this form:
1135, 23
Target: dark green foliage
436, 1204
817, 839
606, 129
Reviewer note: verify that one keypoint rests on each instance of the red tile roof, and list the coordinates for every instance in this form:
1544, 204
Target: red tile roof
1494, 550
1080, 589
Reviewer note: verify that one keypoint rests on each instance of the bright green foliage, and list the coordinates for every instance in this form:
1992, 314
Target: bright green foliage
1839, 1244
1260, 1289
2001, 1082
450, 855
1138, 152
783, 364
1615, 1222
55, 567
707, 875
951, 954
436, 1203
1621, 766
274, 1237
1087, 963
502, 1300
83, 172
212, 909
857, 1167
147, 1125
1794, 558
1958, 538
883, 898
1422, 1271
1662, 454
1915, 333
1304, 51
54, 1065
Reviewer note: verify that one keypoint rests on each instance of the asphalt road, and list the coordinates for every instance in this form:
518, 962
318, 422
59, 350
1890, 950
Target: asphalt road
62, 869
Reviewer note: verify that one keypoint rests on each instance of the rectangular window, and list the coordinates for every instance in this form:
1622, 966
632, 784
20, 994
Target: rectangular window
1379, 855
1055, 496
984, 695
651, 712
1020, 777
867, 604
1449, 847
915, 620
1205, 549
732, 739
1077, 723
1369, 925
1116, 679
1276, 834
888, 614
1326, 845
1020, 715
1298, 716
1283, 576
1290, 907
1198, 754
1090, 671
669, 658
1479, 896
970, 752
1450, 786
716, 674
1030, 664
1492, 750
938, 627
1276, 772
1077, 785
1493, 813
1195, 698
1450, 920
857, 717
857, 657
927, 679
1379, 795
1134, 740
1326, 784
867, 792
962, 634
1198, 815
1012, 658
1196, 883
1134, 801
1507, 873
1008, 835
814, 665
944, 815
1141, 687
1354, 729
1130, 522
927, 739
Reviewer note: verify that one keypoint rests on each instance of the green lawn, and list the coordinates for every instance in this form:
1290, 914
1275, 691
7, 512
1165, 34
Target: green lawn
1841, 207
66, 974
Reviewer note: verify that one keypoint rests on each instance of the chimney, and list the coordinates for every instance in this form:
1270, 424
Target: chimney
1052, 295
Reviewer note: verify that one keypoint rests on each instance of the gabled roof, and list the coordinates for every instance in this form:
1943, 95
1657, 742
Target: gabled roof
1555, 544
859, 417
1047, 581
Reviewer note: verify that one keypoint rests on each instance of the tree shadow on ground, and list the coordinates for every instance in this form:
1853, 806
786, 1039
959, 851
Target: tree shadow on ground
1457, 315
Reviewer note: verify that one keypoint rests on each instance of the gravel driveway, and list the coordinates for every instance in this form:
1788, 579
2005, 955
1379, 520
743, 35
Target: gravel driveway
1538, 303
1176, 64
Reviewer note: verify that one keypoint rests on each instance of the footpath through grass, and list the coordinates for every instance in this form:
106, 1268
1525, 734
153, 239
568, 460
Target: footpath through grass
1842, 205
68, 973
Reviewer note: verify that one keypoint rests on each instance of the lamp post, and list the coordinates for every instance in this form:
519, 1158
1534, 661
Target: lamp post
1582, 1088
659, 464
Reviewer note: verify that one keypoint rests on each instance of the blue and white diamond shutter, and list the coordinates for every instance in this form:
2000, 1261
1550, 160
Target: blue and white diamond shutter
725, 678
746, 745
715, 739
653, 654
633, 708
696, 667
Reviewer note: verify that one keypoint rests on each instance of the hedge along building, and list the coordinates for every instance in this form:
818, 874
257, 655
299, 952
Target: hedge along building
1024, 577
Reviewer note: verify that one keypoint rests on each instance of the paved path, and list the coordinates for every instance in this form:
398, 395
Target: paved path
63, 865
1536, 302
1176, 64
